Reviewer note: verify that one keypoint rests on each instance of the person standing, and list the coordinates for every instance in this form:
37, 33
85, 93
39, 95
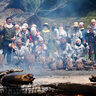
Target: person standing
91, 34
8, 31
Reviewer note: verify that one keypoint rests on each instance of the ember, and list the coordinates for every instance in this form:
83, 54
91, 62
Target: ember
79, 95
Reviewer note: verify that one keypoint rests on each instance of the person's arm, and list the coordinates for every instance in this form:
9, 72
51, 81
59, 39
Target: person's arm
2, 30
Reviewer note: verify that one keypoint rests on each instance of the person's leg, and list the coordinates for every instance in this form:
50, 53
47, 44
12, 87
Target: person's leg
8, 57
91, 51
95, 51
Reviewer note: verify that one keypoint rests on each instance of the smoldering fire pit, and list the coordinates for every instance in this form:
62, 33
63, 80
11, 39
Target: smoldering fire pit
49, 85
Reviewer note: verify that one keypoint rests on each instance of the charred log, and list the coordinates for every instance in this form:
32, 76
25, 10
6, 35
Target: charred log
18, 79
92, 78
4, 73
72, 89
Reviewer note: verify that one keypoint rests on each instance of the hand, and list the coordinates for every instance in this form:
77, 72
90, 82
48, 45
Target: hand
93, 52
22, 57
14, 38
88, 31
20, 35
5, 26
13, 46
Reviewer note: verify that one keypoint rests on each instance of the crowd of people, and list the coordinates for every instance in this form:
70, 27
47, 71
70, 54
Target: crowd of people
53, 46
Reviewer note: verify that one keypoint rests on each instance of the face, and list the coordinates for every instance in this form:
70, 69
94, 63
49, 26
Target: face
19, 44
24, 30
67, 28
81, 26
17, 28
93, 23
78, 42
9, 21
63, 41
84, 41
41, 42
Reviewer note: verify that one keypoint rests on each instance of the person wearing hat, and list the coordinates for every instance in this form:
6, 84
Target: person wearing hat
91, 34
62, 32
79, 51
18, 31
75, 34
24, 35
19, 52
68, 31
9, 33
65, 52
84, 32
33, 32
46, 33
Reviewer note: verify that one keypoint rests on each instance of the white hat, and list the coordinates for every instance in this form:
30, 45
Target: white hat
81, 23
93, 20
26, 25
23, 27
34, 25
78, 39
17, 26
46, 23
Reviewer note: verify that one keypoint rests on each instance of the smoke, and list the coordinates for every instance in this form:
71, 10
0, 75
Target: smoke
67, 8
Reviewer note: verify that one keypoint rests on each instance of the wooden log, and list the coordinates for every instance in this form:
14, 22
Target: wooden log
5, 73
92, 78
72, 88
18, 79
9, 71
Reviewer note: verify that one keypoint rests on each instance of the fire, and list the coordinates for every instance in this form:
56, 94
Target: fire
78, 95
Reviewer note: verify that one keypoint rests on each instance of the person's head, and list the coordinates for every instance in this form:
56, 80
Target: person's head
17, 27
24, 29
75, 26
67, 28
9, 20
81, 25
84, 41
78, 42
54, 23
41, 42
34, 25
26, 25
93, 22
63, 41
19, 43
46, 26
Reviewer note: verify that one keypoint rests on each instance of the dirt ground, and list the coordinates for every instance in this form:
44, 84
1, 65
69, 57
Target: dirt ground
61, 76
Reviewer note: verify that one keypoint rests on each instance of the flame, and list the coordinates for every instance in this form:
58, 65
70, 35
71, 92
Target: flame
78, 95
